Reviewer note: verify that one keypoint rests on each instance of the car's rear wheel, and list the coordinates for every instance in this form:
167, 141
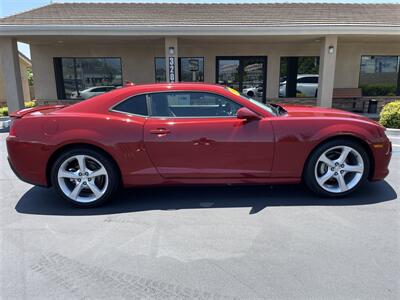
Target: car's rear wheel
337, 168
84, 177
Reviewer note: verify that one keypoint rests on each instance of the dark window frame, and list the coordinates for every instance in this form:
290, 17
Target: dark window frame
241, 58
382, 55
58, 73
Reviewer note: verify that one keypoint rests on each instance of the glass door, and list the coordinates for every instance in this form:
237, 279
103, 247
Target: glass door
245, 74
228, 72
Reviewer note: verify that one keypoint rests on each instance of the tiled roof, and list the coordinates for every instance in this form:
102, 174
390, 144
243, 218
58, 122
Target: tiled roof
168, 14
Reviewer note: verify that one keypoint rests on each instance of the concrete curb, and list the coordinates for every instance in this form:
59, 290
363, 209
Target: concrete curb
393, 131
5, 122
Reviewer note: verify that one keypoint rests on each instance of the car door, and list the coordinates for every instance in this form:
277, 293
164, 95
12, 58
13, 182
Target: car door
197, 135
308, 86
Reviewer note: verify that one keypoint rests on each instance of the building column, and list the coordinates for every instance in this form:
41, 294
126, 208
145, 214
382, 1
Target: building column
273, 69
171, 58
327, 64
13, 91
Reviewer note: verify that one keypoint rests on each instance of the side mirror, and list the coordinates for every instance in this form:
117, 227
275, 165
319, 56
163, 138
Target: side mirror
246, 114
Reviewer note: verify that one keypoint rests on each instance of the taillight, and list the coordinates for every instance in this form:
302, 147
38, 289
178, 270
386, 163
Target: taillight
12, 127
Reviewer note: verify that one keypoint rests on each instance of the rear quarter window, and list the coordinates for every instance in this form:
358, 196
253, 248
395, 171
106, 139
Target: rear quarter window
136, 105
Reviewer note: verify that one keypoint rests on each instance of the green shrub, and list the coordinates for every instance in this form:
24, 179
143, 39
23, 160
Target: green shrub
3, 111
379, 89
30, 104
390, 115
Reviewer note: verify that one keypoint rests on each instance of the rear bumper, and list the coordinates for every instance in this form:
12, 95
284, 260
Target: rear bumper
27, 160
21, 177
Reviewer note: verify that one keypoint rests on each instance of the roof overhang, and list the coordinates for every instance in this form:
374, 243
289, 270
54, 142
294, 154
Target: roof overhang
198, 30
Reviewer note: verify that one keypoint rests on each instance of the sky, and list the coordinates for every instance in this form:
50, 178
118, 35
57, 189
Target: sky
9, 7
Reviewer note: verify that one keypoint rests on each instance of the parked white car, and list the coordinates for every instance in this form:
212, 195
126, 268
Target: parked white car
253, 91
91, 92
307, 85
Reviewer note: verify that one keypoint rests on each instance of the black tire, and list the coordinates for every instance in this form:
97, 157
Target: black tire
109, 166
250, 94
309, 176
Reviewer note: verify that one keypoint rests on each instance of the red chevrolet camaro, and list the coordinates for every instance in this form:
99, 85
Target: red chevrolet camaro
186, 133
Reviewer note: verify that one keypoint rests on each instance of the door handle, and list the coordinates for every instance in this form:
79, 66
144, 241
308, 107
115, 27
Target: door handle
160, 131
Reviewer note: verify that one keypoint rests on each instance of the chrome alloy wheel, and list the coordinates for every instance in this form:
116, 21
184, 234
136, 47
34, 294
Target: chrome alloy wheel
339, 169
82, 178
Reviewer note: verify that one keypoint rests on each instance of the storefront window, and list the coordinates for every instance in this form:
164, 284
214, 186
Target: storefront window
83, 78
299, 77
191, 69
379, 75
159, 64
246, 74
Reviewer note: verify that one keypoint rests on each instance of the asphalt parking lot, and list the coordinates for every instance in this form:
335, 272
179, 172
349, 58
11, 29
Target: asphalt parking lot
201, 242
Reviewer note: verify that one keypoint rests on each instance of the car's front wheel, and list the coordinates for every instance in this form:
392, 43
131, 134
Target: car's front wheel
84, 177
337, 168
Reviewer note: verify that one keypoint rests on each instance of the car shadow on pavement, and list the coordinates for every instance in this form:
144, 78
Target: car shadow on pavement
44, 201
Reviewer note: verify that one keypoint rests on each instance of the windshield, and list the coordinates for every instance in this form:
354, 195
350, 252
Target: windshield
272, 109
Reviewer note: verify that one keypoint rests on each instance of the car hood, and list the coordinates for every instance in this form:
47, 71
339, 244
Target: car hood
314, 111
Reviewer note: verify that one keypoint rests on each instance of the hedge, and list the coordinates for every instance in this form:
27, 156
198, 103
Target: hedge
390, 115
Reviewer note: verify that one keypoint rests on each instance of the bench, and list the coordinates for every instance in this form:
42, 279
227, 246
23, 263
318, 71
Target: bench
347, 93
352, 94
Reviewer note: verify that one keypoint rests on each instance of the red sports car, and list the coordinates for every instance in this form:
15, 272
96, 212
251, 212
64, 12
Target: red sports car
186, 133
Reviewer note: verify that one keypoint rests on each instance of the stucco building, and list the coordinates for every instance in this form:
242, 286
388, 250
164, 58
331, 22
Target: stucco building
24, 66
325, 54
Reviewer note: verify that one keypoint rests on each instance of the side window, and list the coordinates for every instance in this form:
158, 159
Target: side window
192, 104
136, 105
308, 80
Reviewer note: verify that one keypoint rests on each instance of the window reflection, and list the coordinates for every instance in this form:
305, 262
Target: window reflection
244, 74
160, 71
299, 77
228, 73
379, 75
191, 69
84, 78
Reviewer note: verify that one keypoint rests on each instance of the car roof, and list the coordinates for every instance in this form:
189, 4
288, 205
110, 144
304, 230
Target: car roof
307, 75
183, 86
100, 86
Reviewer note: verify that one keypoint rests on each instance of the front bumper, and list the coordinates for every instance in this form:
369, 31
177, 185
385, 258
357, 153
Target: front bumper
382, 157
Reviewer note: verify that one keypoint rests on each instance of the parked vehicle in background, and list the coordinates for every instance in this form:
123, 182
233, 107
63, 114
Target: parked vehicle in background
185, 133
91, 92
254, 91
307, 86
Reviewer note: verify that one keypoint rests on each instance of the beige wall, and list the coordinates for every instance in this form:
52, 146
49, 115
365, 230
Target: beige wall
137, 62
138, 58
24, 78
349, 58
